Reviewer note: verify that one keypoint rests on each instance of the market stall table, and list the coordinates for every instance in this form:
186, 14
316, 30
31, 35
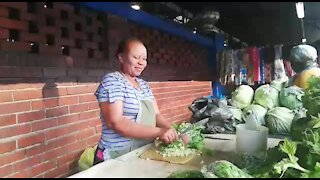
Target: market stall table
130, 165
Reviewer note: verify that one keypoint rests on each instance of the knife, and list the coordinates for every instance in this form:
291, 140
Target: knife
217, 138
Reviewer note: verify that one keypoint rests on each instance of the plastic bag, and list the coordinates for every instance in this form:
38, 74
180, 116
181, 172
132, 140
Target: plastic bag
218, 110
86, 159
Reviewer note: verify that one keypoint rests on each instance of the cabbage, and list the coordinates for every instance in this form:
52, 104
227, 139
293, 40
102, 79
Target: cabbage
291, 97
242, 96
279, 120
258, 112
236, 113
267, 96
86, 158
223, 169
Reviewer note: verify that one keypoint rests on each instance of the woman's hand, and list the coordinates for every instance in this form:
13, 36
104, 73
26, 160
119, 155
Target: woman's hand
169, 135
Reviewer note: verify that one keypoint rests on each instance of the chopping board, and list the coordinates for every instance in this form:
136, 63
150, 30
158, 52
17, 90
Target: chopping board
152, 154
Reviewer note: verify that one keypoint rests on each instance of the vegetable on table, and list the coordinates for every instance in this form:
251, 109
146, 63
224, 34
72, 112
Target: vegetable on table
179, 148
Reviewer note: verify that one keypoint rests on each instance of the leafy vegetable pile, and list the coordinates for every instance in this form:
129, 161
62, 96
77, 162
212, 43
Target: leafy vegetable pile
298, 157
273, 105
178, 148
295, 157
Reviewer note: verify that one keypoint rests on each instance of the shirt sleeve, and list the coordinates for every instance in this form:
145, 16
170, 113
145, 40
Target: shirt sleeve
110, 90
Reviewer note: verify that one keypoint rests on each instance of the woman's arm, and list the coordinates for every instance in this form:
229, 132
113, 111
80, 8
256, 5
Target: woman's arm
112, 112
161, 121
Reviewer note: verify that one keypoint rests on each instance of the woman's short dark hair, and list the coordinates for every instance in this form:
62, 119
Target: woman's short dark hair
122, 47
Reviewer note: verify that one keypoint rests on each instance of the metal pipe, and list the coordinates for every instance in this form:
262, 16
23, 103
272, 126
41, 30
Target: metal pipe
303, 32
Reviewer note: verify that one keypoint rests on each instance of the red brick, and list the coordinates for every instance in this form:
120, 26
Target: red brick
35, 150
54, 173
7, 147
15, 130
17, 46
6, 170
68, 119
93, 140
46, 103
92, 45
50, 50
53, 154
87, 98
17, 5
98, 129
4, 33
66, 129
27, 95
57, 132
13, 24
54, 112
93, 106
7, 120
76, 90
75, 146
75, 53
28, 16
65, 42
77, 72
63, 6
73, 166
26, 163
6, 97
54, 72
62, 141
79, 108
89, 115
22, 174
14, 107
24, 72
4, 12
43, 124
31, 140
30, 37
44, 167
95, 72
31, 116
68, 100
85, 133
69, 157
12, 157
54, 92
49, 30
94, 122
48, 11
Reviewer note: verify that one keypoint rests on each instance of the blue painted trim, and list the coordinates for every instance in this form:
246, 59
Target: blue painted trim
125, 11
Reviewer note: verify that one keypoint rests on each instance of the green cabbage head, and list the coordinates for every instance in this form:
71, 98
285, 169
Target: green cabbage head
258, 112
279, 120
267, 96
291, 97
242, 96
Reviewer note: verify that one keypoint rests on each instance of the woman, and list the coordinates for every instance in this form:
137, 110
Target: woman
129, 113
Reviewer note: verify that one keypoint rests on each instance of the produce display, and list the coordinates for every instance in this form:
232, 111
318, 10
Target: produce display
298, 154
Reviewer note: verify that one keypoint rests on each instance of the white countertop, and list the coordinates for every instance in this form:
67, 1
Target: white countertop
130, 165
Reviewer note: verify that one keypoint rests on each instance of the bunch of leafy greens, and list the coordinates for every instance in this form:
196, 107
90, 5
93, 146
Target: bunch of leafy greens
311, 98
178, 148
290, 159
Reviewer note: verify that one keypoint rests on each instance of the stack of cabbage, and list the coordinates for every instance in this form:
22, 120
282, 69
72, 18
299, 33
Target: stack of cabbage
273, 105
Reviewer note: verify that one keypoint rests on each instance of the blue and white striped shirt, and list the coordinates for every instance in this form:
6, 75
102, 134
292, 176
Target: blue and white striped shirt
114, 87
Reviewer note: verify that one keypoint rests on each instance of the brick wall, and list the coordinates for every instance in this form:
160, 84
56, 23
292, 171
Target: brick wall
48, 114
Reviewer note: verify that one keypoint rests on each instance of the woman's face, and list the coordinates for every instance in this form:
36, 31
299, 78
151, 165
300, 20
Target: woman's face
134, 59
